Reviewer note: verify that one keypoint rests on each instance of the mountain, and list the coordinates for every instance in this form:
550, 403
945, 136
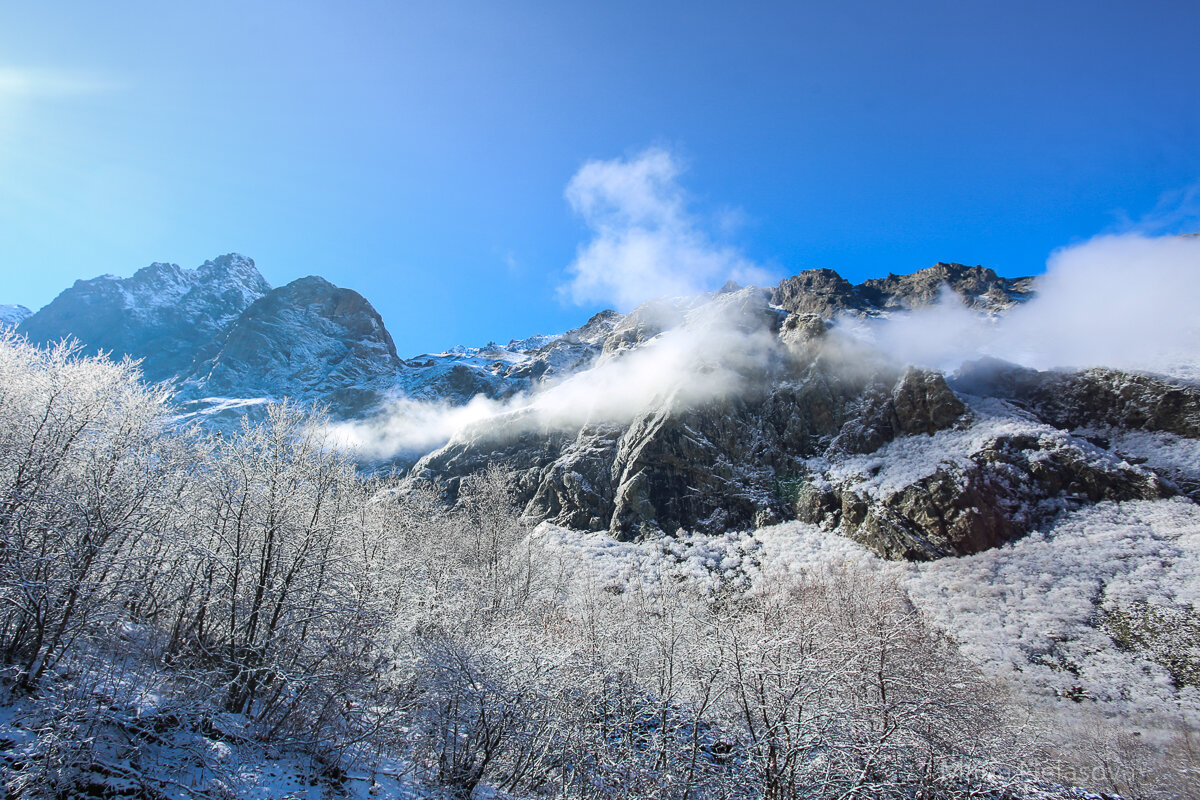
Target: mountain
162, 314
500, 371
11, 316
903, 460
308, 339
723, 411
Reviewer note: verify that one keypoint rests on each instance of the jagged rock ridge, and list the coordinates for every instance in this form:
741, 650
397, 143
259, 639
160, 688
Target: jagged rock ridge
162, 314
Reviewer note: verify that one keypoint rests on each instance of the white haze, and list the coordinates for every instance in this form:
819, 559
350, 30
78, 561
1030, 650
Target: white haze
702, 359
1126, 301
645, 243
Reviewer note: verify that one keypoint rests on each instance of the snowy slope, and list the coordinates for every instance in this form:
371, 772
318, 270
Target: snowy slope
11, 316
163, 314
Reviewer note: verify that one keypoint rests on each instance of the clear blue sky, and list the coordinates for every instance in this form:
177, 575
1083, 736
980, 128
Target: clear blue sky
419, 152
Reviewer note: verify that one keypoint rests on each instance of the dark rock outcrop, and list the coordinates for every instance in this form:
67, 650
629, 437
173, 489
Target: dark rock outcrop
825, 293
1007, 487
713, 466
1089, 398
979, 287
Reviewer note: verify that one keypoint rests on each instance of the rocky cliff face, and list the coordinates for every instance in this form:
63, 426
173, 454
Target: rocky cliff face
309, 339
909, 463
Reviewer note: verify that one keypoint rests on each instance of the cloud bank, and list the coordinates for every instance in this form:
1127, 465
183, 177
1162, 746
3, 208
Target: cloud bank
707, 356
1125, 301
645, 243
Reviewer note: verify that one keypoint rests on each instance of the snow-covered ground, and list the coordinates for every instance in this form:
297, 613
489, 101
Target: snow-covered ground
1031, 613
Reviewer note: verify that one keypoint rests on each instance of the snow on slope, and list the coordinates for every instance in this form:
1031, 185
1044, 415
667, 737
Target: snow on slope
907, 459
1031, 612
11, 316
501, 371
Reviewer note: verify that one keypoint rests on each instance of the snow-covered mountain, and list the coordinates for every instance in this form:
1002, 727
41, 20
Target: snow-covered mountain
163, 314
309, 340
500, 371
722, 411
11, 316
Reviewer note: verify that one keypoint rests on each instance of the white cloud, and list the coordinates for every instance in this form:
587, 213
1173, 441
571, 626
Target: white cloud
1125, 301
707, 356
645, 243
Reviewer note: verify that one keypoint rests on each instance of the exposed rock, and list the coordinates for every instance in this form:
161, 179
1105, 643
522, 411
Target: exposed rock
800, 331
1010, 485
919, 402
709, 468
308, 339
1088, 398
979, 287
817, 291
825, 293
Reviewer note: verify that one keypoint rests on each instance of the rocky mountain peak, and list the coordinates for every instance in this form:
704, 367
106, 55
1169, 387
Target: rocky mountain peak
826, 293
309, 339
816, 291
979, 287
12, 315
162, 314
234, 269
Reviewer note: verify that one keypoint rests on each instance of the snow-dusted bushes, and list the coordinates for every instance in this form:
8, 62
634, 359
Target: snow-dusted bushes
87, 478
273, 607
237, 575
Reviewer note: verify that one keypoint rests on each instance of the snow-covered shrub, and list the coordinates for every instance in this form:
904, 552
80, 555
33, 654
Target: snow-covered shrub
87, 481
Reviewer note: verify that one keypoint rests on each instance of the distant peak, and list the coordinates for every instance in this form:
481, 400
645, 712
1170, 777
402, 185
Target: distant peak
312, 283
234, 267
12, 315
158, 270
231, 260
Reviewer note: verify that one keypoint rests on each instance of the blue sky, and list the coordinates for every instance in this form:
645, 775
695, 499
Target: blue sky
420, 152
